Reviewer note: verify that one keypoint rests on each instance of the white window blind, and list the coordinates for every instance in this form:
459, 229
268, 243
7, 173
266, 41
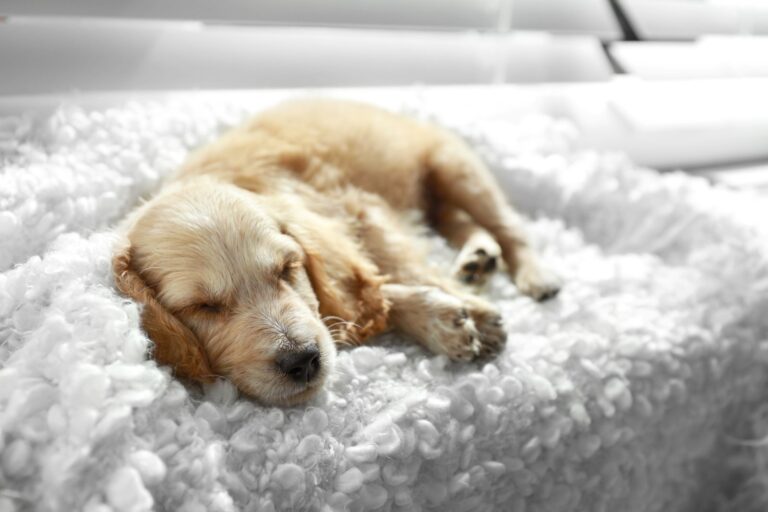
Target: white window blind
59, 55
568, 16
689, 19
708, 57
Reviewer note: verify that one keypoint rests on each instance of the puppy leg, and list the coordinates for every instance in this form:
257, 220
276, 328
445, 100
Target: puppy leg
390, 241
479, 254
463, 327
458, 177
393, 243
423, 304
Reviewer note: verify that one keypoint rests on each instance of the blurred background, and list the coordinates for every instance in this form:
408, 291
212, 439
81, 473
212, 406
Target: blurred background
676, 84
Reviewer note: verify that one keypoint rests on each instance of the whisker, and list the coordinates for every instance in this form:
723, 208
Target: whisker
336, 324
340, 321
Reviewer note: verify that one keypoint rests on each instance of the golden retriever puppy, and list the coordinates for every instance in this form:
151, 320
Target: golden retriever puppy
288, 235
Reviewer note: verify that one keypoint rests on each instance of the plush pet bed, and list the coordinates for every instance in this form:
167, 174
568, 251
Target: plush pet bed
641, 387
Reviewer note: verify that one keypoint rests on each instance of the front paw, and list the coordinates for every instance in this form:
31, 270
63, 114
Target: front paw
463, 327
472, 330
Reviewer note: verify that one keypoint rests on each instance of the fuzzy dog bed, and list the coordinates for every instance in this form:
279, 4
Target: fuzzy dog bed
637, 389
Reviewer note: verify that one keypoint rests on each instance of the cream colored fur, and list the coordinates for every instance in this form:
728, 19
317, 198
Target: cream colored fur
289, 232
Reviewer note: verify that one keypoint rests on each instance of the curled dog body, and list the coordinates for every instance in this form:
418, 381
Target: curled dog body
285, 238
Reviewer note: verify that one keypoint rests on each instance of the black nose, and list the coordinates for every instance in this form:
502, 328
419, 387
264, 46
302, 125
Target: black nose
300, 366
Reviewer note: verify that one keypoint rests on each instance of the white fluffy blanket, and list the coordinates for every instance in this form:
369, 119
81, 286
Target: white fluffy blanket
629, 392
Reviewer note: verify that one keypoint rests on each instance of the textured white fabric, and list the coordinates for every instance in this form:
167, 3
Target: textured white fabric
619, 395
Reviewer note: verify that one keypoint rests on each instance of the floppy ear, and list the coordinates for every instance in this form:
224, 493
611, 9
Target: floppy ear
175, 345
347, 284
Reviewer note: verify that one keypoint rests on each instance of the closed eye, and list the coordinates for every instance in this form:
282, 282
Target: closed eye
208, 308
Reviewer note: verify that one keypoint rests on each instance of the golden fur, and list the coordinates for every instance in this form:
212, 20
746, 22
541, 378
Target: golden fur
287, 234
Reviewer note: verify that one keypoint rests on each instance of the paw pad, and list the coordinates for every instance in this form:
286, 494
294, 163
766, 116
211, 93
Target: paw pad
474, 267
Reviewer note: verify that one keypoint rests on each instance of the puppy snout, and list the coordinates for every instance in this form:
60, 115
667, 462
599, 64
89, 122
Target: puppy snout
302, 365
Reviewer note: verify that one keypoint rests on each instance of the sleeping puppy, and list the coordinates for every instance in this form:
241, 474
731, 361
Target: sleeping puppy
288, 235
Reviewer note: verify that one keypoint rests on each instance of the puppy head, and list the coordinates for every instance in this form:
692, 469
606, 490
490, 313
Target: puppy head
226, 291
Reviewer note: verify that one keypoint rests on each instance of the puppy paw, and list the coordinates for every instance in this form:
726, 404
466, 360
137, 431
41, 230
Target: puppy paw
463, 327
469, 329
486, 325
478, 260
539, 284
